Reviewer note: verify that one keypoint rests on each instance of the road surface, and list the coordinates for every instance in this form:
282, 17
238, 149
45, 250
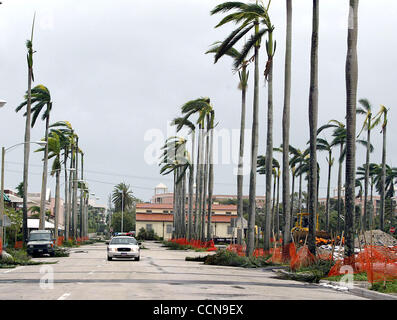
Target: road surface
160, 274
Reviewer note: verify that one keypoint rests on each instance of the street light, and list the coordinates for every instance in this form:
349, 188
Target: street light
3, 152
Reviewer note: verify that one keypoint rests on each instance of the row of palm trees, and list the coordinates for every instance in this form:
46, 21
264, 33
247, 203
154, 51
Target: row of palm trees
61, 145
195, 114
254, 19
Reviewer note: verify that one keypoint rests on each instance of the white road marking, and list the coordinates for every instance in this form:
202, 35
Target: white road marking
64, 296
11, 270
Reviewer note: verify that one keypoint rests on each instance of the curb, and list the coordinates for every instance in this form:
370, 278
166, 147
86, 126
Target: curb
373, 295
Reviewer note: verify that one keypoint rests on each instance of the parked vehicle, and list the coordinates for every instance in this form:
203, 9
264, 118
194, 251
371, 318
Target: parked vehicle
41, 242
123, 247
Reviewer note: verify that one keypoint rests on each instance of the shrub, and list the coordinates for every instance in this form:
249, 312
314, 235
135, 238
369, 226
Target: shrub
229, 258
147, 235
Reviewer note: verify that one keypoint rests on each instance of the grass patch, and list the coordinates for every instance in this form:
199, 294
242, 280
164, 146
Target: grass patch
20, 258
391, 287
61, 252
232, 259
176, 246
313, 273
356, 277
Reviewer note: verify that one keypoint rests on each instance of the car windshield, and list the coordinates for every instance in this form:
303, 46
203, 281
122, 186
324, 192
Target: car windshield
39, 236
123, 241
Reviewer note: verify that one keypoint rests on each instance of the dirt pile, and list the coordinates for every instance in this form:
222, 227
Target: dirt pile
379, 238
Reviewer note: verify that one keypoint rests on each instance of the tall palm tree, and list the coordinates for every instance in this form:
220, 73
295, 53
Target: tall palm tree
54, 151
29, 46
382, 113
180, 123
66, 134
123, 197
175, 160
200, 107
313, 116
297, 161
243, 84
211, 119
368, 125
339, 135
249, 17
286, 126
374, 171
40, 98
324, 145
351, 105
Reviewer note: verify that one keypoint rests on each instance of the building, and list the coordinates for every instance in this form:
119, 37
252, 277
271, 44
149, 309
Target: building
159, 217
163, 196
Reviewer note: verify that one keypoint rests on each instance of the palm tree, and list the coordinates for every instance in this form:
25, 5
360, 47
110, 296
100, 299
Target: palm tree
368, 125
65, 133
313, 115
298, 159
40, 97
249, 17
29, 46
180, 123
383, 112
54, 148
351, 104
243, 84
202, 108
175, 159
286, 126
122, 197
324, 145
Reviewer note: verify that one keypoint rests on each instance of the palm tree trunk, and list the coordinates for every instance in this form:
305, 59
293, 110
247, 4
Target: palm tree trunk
351, 102
240, 172
382, 182
269, 145
26, 161
366, 181
206, 169
81, 199
210, 178
278, 208
191, 189
45, 169
313, 116
292, 204
175, 207
71, 175
198, 188
328, 192
286, 126
340, 188
254, 155
273, 204
57, 198
75, 175
66, 204
300, 192
201, 166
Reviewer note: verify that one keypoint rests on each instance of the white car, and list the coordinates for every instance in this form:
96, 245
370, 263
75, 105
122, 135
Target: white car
124, 247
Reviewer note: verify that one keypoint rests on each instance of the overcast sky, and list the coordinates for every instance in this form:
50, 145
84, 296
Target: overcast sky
117, 69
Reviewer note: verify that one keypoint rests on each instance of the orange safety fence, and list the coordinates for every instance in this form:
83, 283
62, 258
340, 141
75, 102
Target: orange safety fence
60, 240
198, 244
18, 244
378, 262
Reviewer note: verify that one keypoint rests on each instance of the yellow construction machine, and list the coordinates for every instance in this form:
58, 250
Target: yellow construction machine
301, 229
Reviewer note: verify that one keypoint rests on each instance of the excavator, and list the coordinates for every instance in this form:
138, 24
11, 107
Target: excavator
301, 229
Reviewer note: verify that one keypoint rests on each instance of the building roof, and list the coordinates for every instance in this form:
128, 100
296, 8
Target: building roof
161, 186
169, 217
170, 206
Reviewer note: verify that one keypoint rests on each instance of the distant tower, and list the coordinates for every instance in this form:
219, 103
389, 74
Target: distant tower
160, 188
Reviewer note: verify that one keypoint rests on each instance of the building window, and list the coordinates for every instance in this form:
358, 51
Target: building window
228, 212
169, 228
148, 211
229, 229
165, 211
149, 227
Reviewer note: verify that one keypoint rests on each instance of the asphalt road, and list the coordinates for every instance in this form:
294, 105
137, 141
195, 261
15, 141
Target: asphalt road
160, 274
